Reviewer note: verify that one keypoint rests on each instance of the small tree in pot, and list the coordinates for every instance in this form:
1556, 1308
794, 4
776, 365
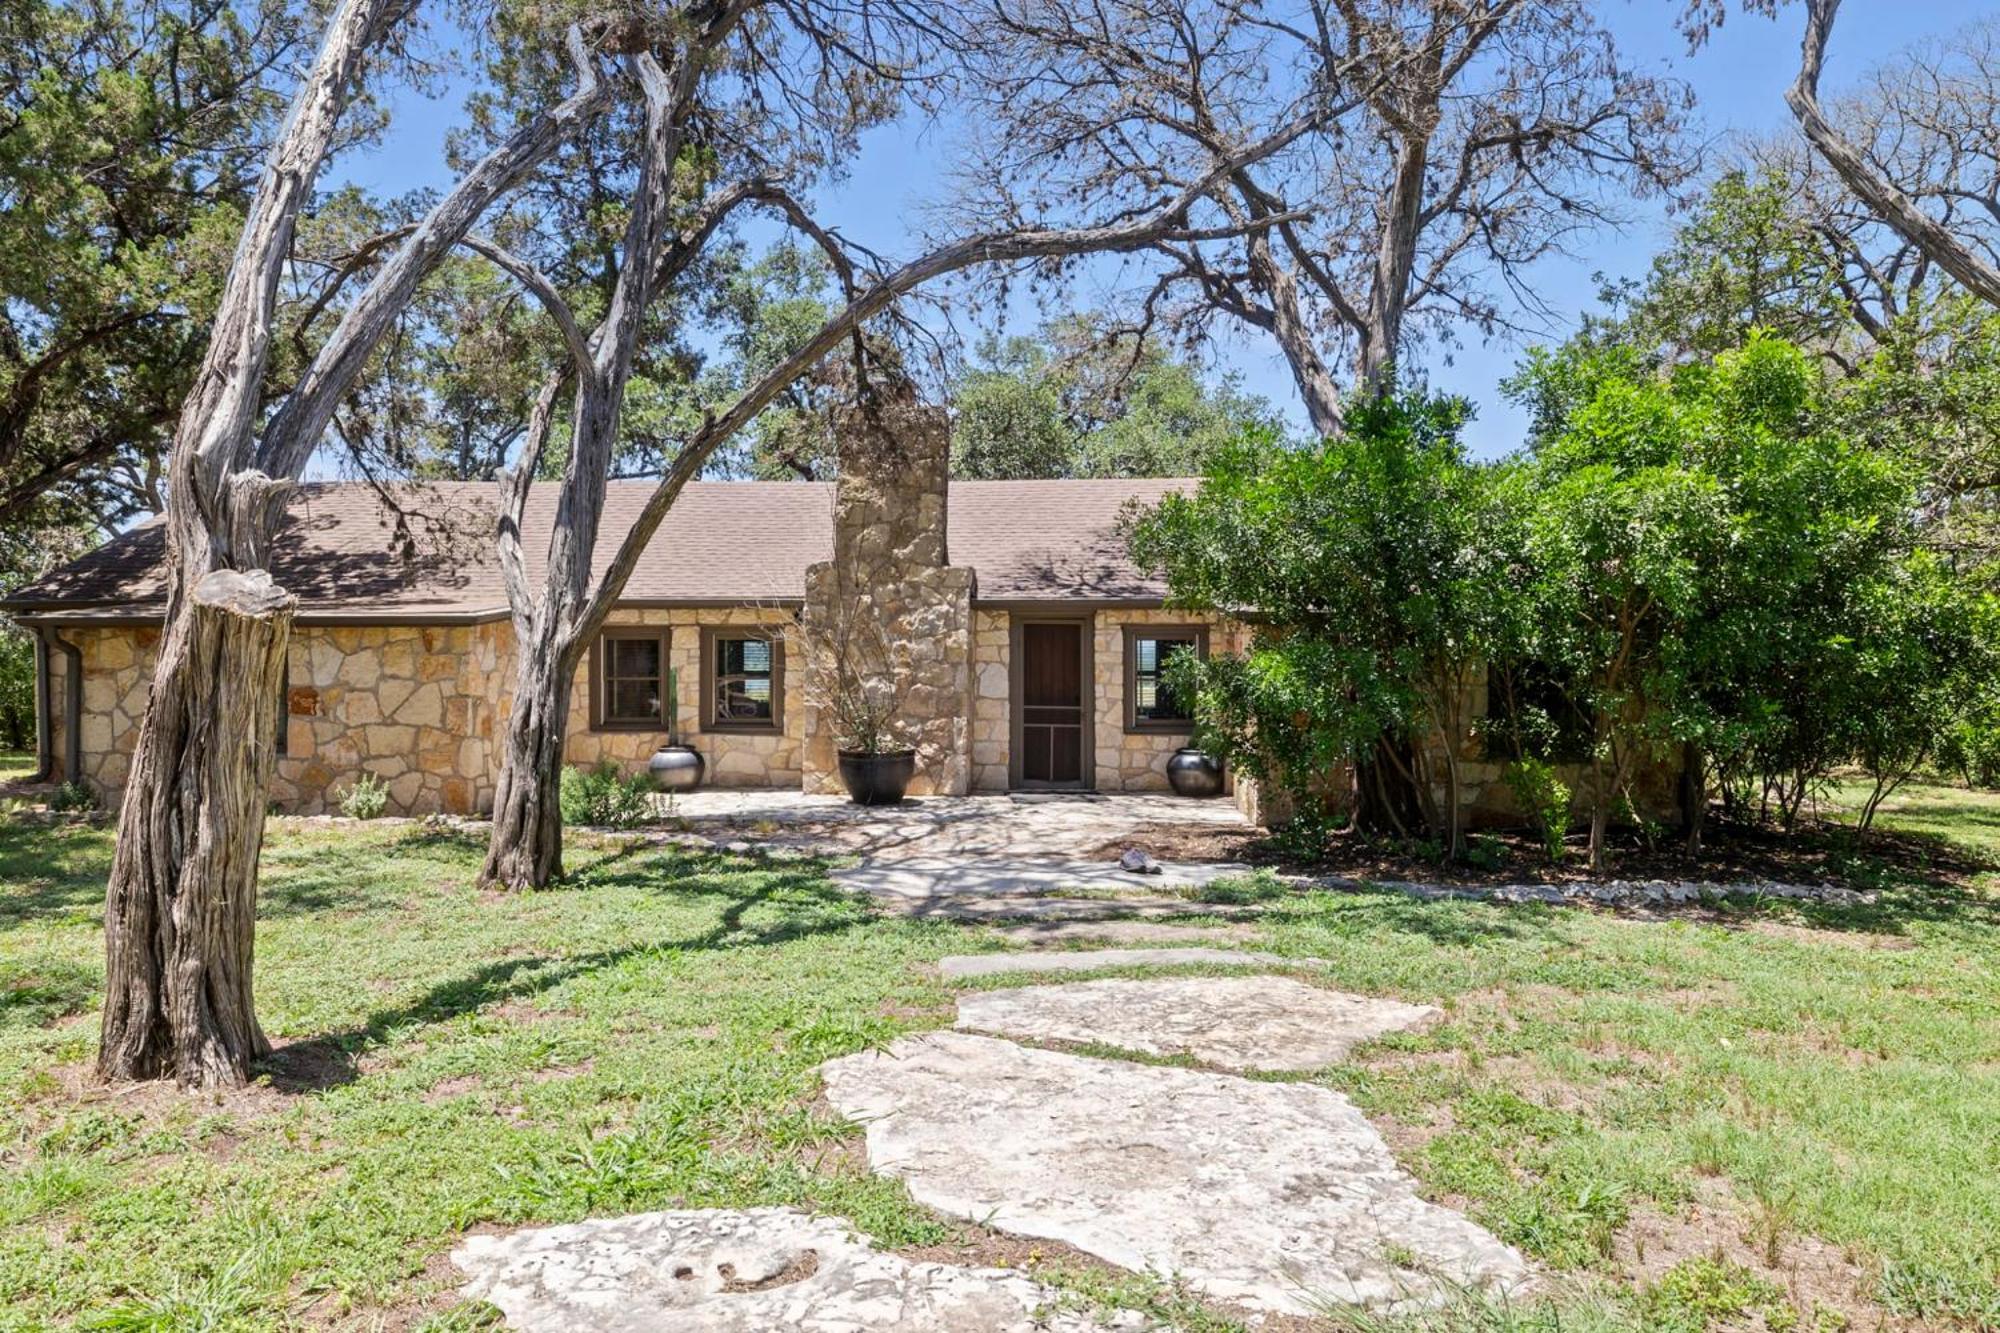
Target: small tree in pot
858, 681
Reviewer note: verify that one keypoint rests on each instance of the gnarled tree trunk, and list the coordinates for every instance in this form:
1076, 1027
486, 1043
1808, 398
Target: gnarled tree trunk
525, 849
181, 907
181, 904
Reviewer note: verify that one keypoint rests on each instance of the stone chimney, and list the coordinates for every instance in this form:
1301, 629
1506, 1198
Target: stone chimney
889, 596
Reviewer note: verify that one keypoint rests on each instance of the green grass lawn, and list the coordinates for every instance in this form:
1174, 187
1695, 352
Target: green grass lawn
16, 764
1702, 1122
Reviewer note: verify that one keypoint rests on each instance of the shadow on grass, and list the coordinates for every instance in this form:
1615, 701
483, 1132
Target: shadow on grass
804, 902
51, 869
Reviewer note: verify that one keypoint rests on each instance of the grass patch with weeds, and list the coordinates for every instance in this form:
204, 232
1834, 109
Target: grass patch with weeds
646, 1036
1835, 1072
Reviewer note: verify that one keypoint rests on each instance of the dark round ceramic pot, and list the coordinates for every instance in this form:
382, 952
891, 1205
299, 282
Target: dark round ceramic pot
677, 768
877, 779
1192, 772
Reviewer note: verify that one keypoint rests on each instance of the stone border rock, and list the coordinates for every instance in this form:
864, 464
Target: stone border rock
1605, 893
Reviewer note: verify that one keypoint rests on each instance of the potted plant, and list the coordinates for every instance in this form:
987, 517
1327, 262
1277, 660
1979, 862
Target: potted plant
860, 689
674, 766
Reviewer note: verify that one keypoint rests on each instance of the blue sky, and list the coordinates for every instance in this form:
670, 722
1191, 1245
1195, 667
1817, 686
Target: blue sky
1738, 79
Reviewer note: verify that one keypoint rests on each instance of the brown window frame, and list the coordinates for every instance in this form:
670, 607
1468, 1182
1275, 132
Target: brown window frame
1134, 724
710, 636
284, 737
661, 634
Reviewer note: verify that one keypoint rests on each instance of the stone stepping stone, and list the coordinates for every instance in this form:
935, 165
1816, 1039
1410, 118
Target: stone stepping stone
1279, 1196
961, 967
1120, 932
1240, 1023
929, 877
978, 908
744, 1271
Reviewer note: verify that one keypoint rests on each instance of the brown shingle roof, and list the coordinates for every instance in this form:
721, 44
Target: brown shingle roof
728, 542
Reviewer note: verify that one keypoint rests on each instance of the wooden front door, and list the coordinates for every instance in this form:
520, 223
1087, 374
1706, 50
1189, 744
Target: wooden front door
1051, 704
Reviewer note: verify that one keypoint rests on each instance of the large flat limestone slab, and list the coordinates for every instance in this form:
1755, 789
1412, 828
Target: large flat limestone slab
742, 1271
1279, 1196
1272, 1023
965, 967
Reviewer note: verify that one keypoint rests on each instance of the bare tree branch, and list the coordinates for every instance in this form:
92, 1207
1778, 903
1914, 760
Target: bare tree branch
296, 428
1888, 200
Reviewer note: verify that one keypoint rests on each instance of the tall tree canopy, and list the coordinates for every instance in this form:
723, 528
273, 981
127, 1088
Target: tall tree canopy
131, 135
1080, 404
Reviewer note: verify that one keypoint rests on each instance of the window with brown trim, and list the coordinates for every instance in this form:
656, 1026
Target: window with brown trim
1149, 704
742, 680
631, 679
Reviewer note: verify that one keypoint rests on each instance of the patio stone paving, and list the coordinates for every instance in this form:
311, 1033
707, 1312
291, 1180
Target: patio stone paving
1279, 1196
1015, 826
1241, 1023
747, 1271
920, 879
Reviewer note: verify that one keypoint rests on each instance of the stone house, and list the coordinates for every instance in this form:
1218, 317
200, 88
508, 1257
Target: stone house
1026, 643
1032, 643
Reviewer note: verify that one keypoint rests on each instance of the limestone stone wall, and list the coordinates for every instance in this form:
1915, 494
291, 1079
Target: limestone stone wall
1137, 761
992, 655
888, 617
412, 705
418, 707
735, 759
117, 673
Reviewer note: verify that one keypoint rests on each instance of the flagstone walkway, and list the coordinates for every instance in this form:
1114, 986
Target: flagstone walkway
1275, 1196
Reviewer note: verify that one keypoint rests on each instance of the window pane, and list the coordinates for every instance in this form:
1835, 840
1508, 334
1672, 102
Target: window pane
744, 671
743, 699
1152, 701
736, 657
634, 700
634, 657
634, 679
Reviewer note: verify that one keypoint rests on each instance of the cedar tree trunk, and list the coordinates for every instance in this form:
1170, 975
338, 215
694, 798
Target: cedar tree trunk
525, 849
181, 906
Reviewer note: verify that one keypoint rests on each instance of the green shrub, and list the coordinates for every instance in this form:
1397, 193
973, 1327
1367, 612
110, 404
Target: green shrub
1543, 798
606, 797
366, 799
1484, 852
73, 798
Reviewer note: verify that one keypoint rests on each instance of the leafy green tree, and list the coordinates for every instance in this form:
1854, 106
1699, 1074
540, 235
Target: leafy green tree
1702, 550
1930, 396
1012, 419
131, 133
1372, 571
1080, 403
1748, 257
1921, 669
